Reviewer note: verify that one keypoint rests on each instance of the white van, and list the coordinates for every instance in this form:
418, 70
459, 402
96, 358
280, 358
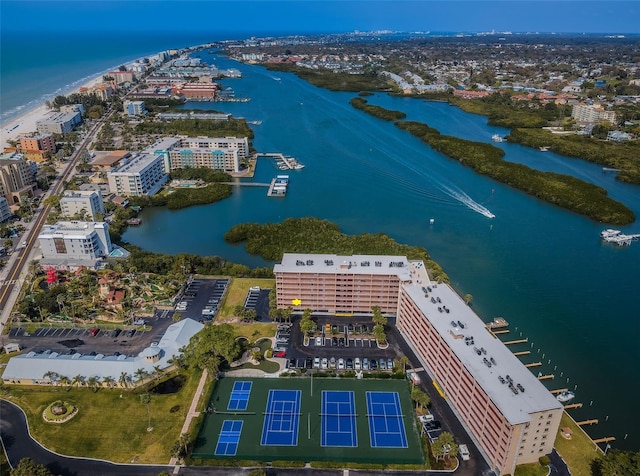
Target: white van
426, 418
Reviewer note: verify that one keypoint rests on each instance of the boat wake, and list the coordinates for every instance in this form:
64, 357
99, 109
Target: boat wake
468, 201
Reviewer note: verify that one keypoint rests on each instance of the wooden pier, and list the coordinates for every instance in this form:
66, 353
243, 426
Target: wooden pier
546, 377
503, 331
573, 405
497, 323
587, 422
518, 341
606, 439
533, 364
522, 352
559, 390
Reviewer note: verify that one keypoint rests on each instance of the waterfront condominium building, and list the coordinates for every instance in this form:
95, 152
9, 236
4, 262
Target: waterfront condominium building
507, 411
74, 243
592, 113
340, 284
218, 153
37, 142
141, 174
76, 202
60, 122
17, 177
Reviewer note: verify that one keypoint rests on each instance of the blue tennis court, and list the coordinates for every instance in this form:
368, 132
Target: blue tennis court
386, 426
239, 398
338, 419
229, 438
282, 418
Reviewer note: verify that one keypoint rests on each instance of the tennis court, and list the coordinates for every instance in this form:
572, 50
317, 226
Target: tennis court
386, 428
281, 419
300, 419
239, 398
339, 419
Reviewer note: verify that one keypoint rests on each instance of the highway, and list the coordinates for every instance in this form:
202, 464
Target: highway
18, 264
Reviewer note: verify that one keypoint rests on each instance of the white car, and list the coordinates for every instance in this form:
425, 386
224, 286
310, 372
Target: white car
340, 363
464, 452
356, 363
324, 363
316, 362
318, 340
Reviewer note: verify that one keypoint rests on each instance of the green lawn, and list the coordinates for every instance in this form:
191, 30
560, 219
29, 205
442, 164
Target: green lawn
254, 331
237, 292
110, 424
579, 451
533, 469
309, 426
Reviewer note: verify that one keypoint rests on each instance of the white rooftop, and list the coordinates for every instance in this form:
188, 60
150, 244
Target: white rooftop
34, 365
355, 264
136, 164
501, 361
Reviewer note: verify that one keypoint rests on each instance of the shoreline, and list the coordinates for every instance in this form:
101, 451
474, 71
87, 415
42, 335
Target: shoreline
25, 123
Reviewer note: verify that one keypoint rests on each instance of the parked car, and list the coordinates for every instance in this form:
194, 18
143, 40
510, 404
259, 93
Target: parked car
373, 364
340, 363
356, 363
94, 331
365, 364
280, 353
324, 364
115, 333
464, 452
349, 363
316, 363
318, 340
332, 363
389, 364
383, 364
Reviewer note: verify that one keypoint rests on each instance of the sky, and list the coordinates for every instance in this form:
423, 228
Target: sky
308, 16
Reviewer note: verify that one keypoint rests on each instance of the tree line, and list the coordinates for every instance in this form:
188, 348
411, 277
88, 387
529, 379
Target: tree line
313, 235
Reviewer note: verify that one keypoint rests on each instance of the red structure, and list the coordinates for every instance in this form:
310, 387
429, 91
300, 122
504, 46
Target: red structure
52, 276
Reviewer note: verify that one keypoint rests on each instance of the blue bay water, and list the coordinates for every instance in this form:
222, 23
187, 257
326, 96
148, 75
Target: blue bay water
544, 269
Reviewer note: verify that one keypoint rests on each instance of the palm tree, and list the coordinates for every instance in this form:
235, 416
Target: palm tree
124, 379
145, 398
52, 376
140, 374
93, 383
404, 360
109, 381
157, 371
78, 380
64, 380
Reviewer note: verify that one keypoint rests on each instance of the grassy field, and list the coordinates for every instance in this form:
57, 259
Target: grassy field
254, 331
579, 451
110, 424
237, 293
309, 426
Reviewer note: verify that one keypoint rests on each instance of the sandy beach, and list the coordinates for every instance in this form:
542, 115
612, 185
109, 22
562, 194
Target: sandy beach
27, 122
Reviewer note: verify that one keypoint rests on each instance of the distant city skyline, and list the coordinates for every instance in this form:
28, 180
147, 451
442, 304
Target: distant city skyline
257, 17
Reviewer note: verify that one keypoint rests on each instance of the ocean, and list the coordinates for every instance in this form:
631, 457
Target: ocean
543, 269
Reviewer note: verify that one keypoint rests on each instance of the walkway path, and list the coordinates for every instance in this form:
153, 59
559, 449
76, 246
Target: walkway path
191, 415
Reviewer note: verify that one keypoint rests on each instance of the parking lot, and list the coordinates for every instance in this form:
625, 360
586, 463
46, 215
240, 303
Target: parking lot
85, 340
258, 300
202, 298
339, 344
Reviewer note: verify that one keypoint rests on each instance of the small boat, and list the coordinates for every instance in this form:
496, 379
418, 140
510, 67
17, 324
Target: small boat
565, 396
497, 138
544, 148
432, 221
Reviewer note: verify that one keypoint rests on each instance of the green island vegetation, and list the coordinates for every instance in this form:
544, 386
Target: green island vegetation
335, 81
624, 156
313, 235
197, 127
562, 190
527, 124
377, 111
175, 199
164, 104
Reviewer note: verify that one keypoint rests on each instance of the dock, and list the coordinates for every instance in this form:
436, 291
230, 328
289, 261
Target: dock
284, 162
618, 238
497, 323
278, 187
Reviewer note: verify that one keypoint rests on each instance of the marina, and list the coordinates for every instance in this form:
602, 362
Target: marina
283, 162
617, 237
278, 187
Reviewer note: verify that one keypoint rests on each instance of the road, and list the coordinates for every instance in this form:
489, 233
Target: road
19, 262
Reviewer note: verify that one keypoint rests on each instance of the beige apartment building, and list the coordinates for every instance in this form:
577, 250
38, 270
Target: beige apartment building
506, 410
